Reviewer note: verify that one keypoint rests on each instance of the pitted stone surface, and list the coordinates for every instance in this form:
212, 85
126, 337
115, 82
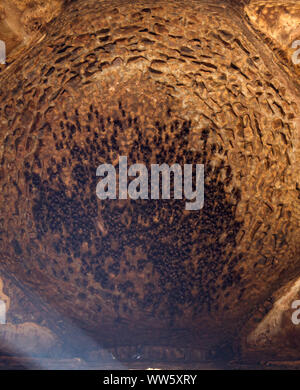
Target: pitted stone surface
178, 81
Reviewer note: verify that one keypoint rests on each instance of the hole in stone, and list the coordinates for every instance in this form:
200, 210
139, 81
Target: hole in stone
2, 312
2, 52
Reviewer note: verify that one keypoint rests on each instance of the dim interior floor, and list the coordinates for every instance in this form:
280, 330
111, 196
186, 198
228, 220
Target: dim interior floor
75, 363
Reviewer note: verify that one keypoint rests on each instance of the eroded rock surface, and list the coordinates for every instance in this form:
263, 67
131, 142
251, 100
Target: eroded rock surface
185, 82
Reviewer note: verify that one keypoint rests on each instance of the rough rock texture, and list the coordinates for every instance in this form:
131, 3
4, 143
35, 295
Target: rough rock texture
165, 81
29, 15
26, 339
279, 22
